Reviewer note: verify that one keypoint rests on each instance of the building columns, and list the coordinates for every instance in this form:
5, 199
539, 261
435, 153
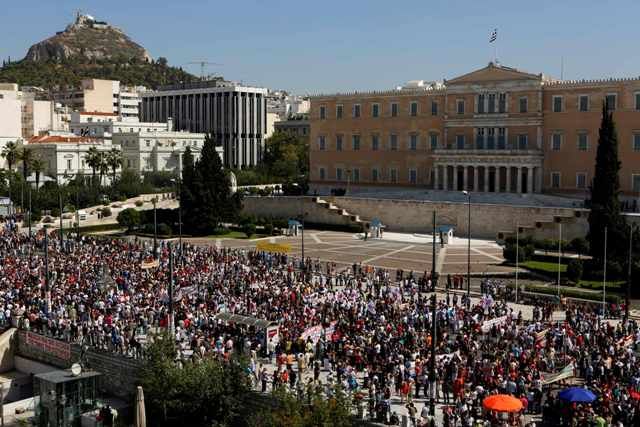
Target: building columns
455, 177
519, 180
436, 170
529, 180
486, 179
465, 177
538, 180
476, 181
508, 177
445, 177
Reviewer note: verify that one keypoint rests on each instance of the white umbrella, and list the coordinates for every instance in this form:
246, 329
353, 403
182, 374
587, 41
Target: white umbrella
141, 418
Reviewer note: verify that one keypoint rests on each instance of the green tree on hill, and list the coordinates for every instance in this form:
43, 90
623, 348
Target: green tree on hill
605, 191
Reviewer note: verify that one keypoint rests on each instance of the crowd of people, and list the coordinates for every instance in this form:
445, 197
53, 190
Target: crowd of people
367, 330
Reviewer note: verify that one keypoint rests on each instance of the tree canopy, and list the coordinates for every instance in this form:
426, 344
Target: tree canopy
205, 195
605, 192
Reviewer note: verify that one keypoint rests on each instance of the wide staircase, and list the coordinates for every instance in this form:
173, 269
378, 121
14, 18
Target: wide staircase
545, 226
346, 217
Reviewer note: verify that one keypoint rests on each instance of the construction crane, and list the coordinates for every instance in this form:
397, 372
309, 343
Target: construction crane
203, 64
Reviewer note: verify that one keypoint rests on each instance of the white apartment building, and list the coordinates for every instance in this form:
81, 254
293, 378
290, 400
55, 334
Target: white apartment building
158, 151
103, 96
22, 116
103, 125
65, 154
10, 116
235, 115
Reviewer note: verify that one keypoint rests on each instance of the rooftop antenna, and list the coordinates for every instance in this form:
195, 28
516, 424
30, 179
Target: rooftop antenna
203, 64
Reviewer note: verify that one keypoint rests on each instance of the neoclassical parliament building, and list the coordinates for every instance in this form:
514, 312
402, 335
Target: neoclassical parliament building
496, 129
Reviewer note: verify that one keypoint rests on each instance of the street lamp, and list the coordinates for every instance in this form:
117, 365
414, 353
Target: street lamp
177, 182
302, 215
468, 194
155, 228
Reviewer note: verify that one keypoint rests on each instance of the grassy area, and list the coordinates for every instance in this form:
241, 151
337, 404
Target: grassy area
570, 292
544, 267
612, 286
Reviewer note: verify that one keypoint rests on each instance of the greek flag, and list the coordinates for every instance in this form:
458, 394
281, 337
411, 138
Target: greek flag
494, 36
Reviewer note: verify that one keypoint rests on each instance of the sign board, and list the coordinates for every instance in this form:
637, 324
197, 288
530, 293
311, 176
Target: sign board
315, 332
273, 247
566, 372
272, 335
59, 349
487, 325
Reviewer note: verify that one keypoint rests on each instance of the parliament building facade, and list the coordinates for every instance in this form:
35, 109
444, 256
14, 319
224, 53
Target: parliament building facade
495, 129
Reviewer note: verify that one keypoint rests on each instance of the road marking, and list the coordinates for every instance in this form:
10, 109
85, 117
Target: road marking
495, 258
440, 259
387, 254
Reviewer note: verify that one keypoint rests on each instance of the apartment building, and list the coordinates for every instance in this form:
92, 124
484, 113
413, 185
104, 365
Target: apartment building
103, 96
496, 129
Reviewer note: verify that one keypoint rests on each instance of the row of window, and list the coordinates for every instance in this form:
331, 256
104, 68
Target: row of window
582, 141
376, 142
376, 110
583, 103
353, 176
377, 175
486, 103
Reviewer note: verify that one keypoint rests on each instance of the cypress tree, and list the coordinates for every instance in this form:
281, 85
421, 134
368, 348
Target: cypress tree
605, 191
211, 200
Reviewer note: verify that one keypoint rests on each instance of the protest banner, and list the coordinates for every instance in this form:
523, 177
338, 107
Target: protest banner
550, 378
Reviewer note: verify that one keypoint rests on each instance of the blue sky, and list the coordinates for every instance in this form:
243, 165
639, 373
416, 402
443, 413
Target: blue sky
328, 46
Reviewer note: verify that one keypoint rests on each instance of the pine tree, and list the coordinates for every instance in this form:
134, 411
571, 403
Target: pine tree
605, 189
206, 190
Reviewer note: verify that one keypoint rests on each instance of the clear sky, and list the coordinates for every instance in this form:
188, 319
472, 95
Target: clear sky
327, 46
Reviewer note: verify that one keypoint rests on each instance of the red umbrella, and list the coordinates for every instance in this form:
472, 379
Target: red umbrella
634, 394
502, 403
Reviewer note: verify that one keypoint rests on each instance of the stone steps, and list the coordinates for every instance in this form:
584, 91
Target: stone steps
337, 210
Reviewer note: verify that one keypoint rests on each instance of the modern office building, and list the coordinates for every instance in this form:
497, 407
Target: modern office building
233, 114
495, 129
297, 127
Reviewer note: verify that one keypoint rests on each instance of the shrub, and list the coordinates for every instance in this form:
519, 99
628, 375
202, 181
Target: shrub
249, 229
106, 212
129, 218
574, 270
164, 229
579, 245
47, 220
139, 203
268, 228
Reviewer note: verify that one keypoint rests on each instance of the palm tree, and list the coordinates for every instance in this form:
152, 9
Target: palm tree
103, 166
114, 161
93, 159
26, 156
10, 152
38, 165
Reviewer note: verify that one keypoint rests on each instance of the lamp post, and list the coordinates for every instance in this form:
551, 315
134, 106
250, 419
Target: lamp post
517, 257
155, 228
559, 256
78, 179
47, 291
29, 213
61, 207
468, 194
628, 289
604, 277
177, 182
302, 215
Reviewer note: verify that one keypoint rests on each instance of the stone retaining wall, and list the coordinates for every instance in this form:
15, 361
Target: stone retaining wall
119, 374
413, 216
